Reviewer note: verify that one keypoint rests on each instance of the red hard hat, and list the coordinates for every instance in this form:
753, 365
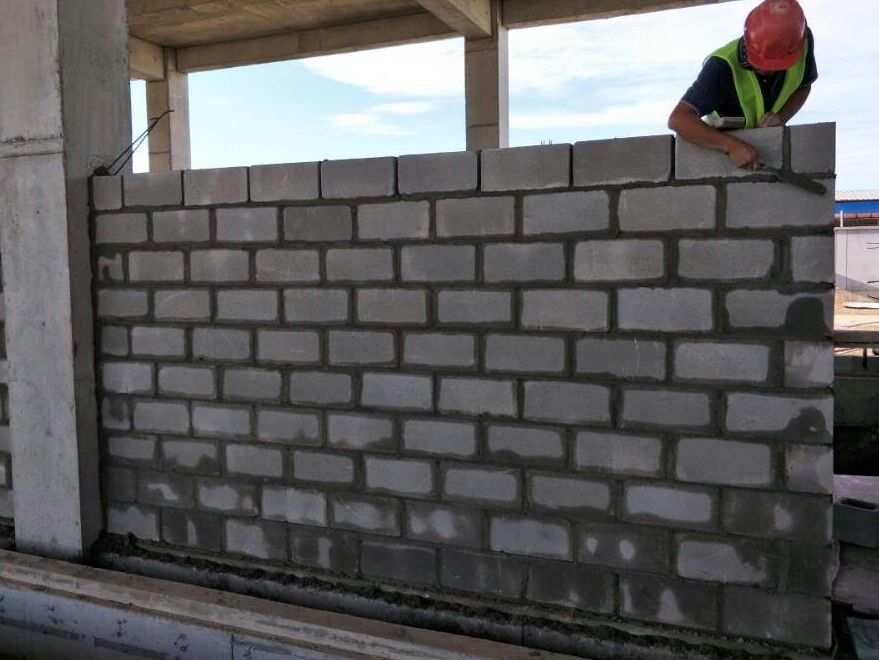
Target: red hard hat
775, 35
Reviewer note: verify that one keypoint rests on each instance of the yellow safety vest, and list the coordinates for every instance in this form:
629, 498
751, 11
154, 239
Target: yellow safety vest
748, 87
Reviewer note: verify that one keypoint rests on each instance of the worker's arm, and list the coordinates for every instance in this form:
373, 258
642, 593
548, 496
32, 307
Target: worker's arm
689, 125
790, 109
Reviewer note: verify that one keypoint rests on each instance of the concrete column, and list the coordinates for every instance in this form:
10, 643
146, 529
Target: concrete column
64, 109
487, 83
169, 142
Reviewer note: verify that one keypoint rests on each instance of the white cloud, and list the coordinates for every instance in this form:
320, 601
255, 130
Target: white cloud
622, 115
365, 122
404, 108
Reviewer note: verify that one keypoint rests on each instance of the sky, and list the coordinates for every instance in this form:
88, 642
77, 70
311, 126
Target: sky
579, 81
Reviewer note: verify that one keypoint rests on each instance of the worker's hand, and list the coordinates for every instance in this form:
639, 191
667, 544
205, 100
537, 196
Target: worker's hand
771, 119
744, 155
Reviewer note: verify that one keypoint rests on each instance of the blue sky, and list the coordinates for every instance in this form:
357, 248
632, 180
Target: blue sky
589, 80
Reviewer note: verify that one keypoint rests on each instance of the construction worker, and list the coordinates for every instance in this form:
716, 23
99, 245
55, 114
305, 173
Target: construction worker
764, 77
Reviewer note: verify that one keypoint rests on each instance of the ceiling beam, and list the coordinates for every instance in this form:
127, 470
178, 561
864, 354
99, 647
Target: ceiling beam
527, 13
310, 43
145, 60
471, 18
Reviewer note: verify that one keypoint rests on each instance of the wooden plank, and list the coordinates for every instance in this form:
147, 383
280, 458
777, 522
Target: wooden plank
310, 43
145, 61
855, 338
527, 13
472, 18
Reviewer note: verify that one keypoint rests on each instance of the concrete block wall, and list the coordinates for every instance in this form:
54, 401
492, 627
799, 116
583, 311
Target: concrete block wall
557, 375
6, 512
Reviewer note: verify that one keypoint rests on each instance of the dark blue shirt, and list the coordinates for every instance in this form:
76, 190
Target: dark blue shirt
715, 90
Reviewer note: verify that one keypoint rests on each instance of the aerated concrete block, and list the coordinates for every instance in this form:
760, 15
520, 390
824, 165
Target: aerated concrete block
190, 456
796, 419
665, 409
367, 177
490, 575
673, 602
615, 453
525, 444
627, 547
724, 362
524, 354
440, 350
394, 221
583, 498
221, 344
288, 347
569, 212
155, 266
153, 189
247, 225
622, 358
786, 618
294, 428
294, 505
579, 587
408, 478
526, 168
288, 266
247, 305
219, 266
397, 391
727, 561
120, 228
127, 377
534, 262
812, 259
316, 305
359, 265
474, 307
799, 314
813, 148
186, 226
482, 484
566, 403
439, 438
294, 182
619, 261
475, 216
725, 260
435, 523
403, 563
792, 517
665, 310
107, 193
443, 172
252, 384
392, 306
438, 263
361, 347
668, 209
724, 462
620, 161
314, 387
223, 496
322, 467
263, 540
809, 469
360, 432
225, 421
318, 224
189, 382
477, 396
533, 538
774, 205
808, 364
565, 309
218, 186
367, 514
695, 162
193, 529
672, 505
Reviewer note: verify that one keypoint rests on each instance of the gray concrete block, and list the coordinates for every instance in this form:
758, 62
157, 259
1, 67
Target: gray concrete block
695, 162
220, 344
256, 224
812, 259
315, 387
318, 224
290, 181
327, 550
564, 213
579, 587
365, 177
219, 266
439, 350
120, 228
475, 216
582, 498
665, 310
130, 449
408, 478
361, 347
444, 172
438, 263
182, 305
809, 469
141, 521
316, 305
527, 168
668, 209
117, 485
643, 359
366, 514
227, 497
153, 189
534, 262
360, 432
288, 266
625, 547
483, 574
185, 226
122, 303
403, 563
255, 462
619, 260
566, 403
630, 160
288, 347
127, 377
247, 305
716, 259
529, 537
565, 309
673, 505
193, 529
263, 540
190, 456
772, 205
106, 193
525, 354
491, 486
474, 307
477, 396
789, 618
167, 490
793, 517
442, 524
189, 382
663, 600
218, 186
392, 306
518, 444
666, 409
722, 362
615, 453
393, 221
813, 148
798, 419
294, 505
724, 462
439, 438
252, 384
115, 414
288, 427
397, 391
360, 265
801, 314
114, 341
226, 421
323, 467
110, 268
812, 569
161, 416
155, 266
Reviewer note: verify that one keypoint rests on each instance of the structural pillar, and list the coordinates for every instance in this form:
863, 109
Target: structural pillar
64, 109
169, 142
487, 84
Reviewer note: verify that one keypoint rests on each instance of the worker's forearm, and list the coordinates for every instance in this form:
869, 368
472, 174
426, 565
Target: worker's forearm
794, 104
691, 128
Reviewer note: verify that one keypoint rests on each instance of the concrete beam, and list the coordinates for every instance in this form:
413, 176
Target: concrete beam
487, 87
170, 144
64, 67
527, 13
472, 18
145, 60
310, 43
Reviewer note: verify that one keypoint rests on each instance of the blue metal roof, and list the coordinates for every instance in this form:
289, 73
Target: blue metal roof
860, 207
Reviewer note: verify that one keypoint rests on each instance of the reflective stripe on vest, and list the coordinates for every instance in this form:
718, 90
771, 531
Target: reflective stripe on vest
748, 87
